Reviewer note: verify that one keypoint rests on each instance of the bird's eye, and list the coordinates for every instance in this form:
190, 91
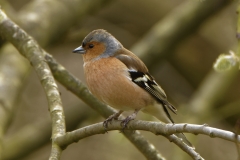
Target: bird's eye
91, 45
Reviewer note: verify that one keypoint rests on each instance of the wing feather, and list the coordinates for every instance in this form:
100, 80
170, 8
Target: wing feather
139, 75
149, 84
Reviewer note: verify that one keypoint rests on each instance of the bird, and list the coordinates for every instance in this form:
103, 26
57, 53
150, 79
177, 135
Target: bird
118, 78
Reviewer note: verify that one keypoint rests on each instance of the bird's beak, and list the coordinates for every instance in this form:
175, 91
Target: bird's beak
80, 50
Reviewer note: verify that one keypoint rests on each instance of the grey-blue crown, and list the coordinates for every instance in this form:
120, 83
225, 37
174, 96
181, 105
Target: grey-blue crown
100, 35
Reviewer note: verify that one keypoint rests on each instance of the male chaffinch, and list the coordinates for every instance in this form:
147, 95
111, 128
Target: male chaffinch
120, 79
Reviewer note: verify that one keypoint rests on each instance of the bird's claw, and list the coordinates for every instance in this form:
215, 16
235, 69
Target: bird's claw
110, 119
125, 122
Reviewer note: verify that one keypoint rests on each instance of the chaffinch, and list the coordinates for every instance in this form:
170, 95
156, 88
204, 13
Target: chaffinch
120, 79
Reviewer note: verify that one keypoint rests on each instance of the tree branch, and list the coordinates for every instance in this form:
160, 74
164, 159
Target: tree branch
30, 49
154, 127
190, 151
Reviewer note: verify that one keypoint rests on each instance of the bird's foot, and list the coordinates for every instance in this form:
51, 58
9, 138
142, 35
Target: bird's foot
125, 122
110, 118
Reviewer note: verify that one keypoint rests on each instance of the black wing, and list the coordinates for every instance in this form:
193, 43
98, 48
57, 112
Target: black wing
146, 82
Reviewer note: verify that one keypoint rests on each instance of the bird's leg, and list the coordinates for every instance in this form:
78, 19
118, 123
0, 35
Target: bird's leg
110, 118
128, 119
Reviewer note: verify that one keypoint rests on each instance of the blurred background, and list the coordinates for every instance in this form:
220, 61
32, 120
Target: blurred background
178, 40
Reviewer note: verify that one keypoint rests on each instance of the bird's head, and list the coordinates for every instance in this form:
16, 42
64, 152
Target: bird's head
98, 44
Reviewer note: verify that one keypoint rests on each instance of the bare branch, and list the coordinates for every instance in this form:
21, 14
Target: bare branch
189, 150
154, 127
30, 49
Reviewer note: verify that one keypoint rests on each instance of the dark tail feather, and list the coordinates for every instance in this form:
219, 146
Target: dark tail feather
170, 106
184, 139
179, 135
160, 112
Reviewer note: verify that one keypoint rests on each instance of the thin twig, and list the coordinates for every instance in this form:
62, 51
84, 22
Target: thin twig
189, 150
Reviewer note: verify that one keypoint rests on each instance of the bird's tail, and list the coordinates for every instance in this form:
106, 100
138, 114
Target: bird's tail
161, 113
184, 139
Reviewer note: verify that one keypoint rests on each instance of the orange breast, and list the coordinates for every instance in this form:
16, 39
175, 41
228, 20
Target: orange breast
108, 80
